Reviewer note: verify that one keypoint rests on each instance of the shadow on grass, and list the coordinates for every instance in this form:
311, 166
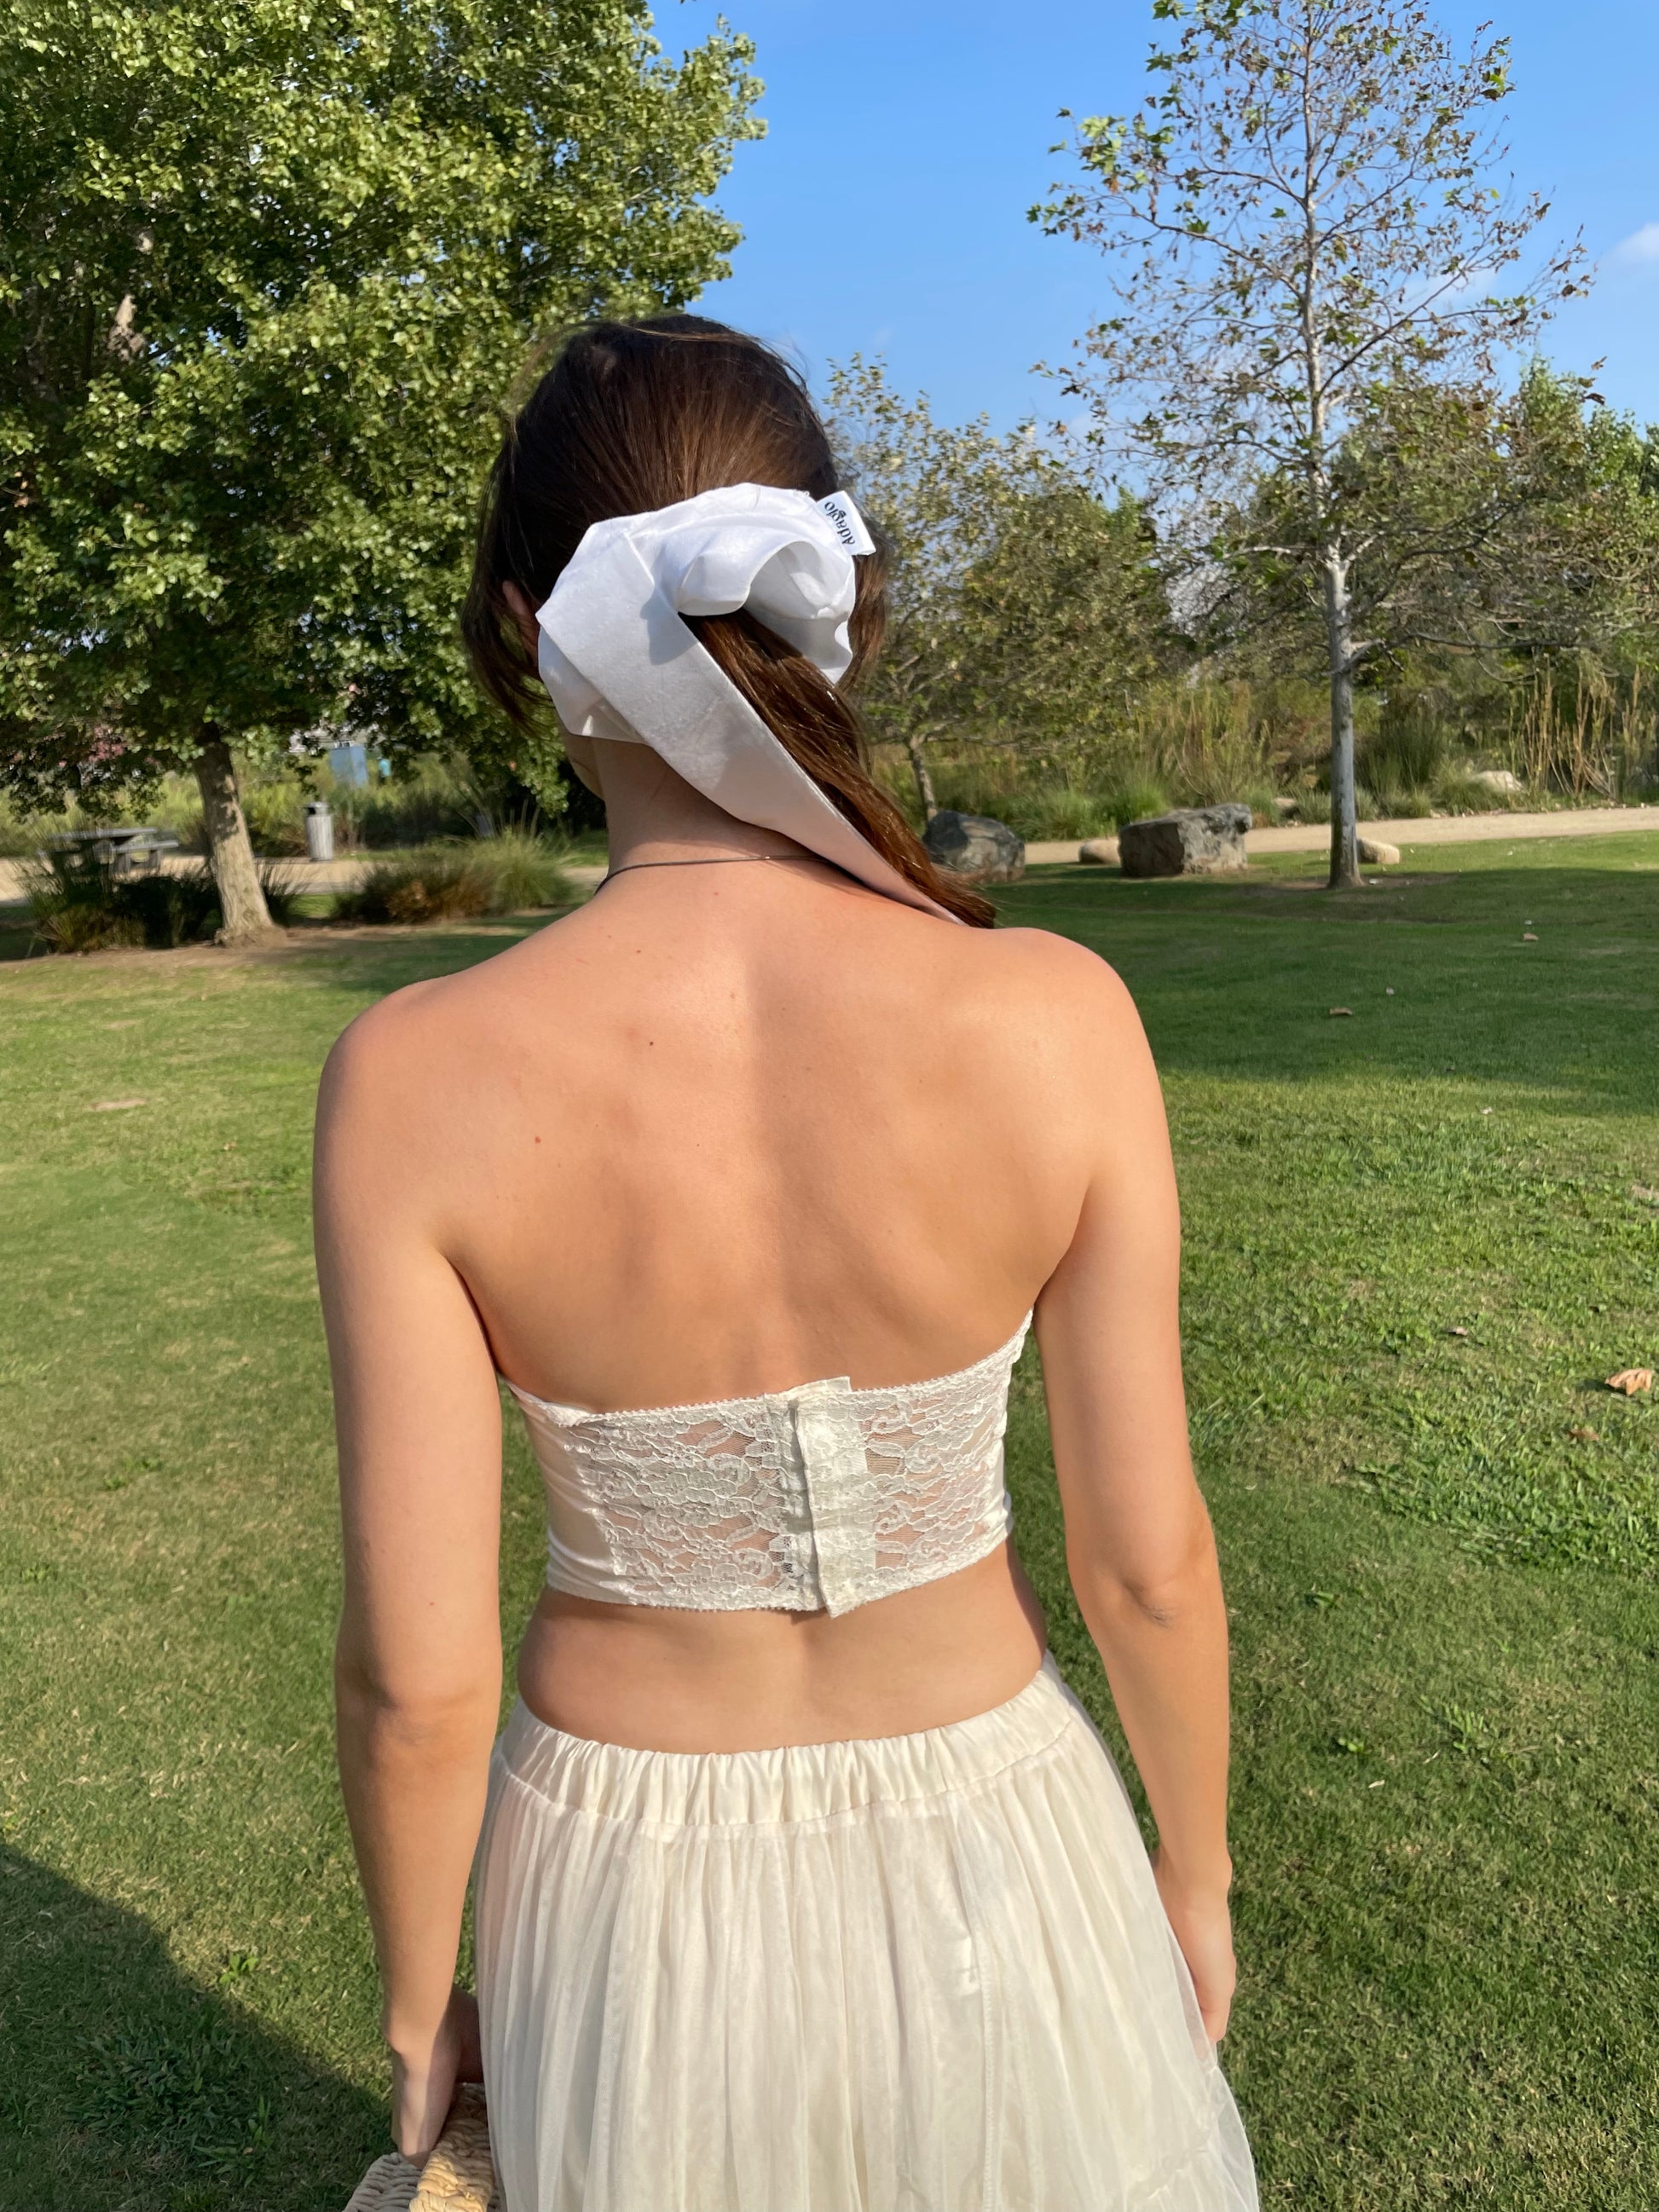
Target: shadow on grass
125, 2084
1542, 978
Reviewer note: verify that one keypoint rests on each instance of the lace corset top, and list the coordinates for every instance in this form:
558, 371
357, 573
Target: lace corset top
815, 1499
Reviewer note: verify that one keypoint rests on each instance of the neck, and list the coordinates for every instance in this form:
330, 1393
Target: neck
652, 814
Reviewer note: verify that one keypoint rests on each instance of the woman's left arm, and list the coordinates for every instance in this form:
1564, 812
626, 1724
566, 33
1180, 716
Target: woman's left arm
418, 1662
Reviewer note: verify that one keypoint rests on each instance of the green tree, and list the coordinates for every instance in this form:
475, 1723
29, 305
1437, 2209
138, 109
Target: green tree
266, 271
1575, 560
1066, 614
1299, 221
1522, 537
1019, 599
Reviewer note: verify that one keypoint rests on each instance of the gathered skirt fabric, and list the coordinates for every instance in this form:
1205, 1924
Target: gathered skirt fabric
917, 1973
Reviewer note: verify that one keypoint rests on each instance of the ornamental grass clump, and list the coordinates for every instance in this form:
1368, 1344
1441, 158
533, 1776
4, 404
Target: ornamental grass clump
1062, 810
1136, 798
78, 903
506, 874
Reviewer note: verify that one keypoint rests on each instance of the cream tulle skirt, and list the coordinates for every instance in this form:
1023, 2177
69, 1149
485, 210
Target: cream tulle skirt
918, 1973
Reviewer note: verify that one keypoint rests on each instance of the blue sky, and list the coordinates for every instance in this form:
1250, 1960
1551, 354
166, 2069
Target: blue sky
885, 210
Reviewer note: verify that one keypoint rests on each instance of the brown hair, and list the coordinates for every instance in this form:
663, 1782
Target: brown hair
632, 416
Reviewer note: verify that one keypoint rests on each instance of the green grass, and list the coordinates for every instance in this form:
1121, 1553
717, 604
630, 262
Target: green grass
1446, 1621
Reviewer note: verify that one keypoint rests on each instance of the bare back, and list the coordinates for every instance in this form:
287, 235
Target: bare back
729, 1135
724, 1131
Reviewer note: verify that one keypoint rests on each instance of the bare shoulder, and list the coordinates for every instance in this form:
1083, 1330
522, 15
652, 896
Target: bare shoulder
406, 1067
1073, 1051
378, 1051
1039, 981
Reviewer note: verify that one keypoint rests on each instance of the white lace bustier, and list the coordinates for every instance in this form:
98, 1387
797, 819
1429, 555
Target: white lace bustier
811, 1500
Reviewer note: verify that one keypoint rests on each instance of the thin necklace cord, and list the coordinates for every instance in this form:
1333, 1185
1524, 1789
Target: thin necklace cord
721, 860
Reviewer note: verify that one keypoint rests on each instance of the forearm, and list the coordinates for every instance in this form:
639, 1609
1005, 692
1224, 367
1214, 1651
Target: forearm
414, 1783
1164, 1650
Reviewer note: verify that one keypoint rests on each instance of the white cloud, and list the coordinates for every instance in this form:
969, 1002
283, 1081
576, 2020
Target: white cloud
1640, 250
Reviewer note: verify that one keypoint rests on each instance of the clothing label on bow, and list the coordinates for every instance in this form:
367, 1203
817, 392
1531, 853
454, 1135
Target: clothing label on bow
849, 522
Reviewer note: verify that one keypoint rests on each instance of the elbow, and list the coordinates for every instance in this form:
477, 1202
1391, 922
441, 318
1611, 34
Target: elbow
1167, 1592
417, 1709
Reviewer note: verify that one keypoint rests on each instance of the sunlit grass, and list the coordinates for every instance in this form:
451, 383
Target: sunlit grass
1446, 1626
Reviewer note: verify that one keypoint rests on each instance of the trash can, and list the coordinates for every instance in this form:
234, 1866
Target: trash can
319, 829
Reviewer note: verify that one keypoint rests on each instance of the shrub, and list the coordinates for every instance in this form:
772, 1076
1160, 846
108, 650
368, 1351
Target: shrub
457, 882
525, 872
1405, 751
275, 810
79, 904
433, 798
1263, 801
1134, 800
441, 883
1394, 802
1061, 810
1202, 739
1457, 791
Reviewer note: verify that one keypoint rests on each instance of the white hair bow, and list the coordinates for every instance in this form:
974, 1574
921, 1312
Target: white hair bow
618, 662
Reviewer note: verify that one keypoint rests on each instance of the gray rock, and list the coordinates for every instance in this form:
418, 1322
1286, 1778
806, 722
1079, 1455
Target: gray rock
976, 847
1376, 853
1193, 841
1501, 780
1100, 852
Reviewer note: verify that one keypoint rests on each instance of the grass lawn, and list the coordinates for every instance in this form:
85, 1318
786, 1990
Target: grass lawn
1419, 1235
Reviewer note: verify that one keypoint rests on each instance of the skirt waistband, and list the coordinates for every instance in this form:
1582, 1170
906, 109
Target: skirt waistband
793, 1783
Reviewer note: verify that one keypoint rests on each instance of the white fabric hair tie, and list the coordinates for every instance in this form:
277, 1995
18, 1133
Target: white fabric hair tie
618, 661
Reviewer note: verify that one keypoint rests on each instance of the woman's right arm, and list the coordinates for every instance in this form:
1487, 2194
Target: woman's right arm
1138, 1544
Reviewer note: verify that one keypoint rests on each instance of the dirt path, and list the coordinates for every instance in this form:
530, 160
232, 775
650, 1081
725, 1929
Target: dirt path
1434, 830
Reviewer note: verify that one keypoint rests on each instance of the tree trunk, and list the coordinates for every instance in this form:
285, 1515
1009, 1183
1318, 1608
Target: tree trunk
924, 778
1338, 641
230, 849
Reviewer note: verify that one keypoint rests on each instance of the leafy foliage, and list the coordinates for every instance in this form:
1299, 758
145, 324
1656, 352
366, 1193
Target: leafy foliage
1299, 215
265, 271
1019, 598
1515, 599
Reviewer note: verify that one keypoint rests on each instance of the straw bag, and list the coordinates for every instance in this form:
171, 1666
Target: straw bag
459, 2176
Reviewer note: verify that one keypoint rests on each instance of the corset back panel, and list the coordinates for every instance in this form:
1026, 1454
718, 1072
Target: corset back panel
815, 1499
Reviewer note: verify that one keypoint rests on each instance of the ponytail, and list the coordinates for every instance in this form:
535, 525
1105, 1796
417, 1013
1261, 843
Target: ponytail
634, 416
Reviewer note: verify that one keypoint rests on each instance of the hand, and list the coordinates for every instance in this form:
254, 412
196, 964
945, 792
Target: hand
1203, 1927
424, 2076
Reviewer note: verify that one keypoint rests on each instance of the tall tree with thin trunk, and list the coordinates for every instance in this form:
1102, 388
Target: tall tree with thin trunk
1300, 217
267, 272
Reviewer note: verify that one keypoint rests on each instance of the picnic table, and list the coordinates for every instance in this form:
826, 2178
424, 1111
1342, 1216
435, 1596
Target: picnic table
128, 852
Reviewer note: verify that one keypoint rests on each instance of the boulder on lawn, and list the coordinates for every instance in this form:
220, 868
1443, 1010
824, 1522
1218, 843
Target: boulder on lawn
975, 847
1193, 841
1376, 853
1100, 852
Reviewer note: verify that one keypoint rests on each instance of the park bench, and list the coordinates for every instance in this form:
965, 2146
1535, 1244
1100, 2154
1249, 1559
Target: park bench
135, 851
